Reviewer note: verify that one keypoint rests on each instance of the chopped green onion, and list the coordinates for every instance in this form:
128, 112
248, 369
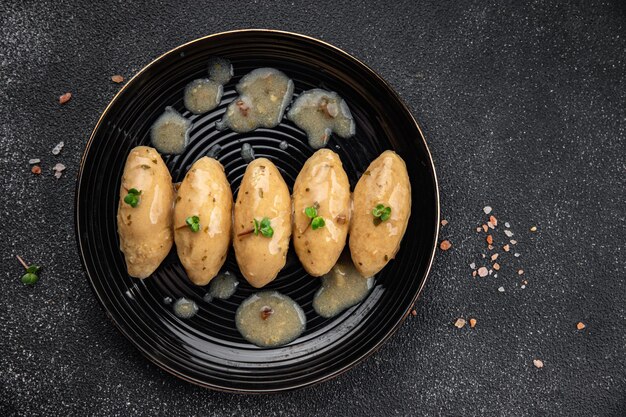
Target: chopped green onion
132, 198
317, 223
29, 278
311, 212
264, 227
381, 214
194, 223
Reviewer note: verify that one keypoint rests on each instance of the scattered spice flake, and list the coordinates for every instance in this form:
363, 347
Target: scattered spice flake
459, 323
507, 225
490, 247
520, 272
580, 325
533, 229
485, 228
508, 233
473, 265
36, 169
493, 220
65, 98
413, 313
483, 272
491, 226
524, 282
478, 229
501, 289
538, 363
484, 256
34, 161
445, 245
506, 248
473, 273
487, 209
117, 79
444, 222
472, 323
490, 239
496, 266
494, 256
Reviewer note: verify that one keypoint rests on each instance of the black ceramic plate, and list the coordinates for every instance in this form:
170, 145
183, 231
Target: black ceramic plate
207, 349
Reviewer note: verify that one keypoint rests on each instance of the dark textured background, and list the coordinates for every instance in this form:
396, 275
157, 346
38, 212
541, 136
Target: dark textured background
524, 108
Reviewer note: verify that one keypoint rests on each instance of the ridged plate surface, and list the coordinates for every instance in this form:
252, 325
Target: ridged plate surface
207, 349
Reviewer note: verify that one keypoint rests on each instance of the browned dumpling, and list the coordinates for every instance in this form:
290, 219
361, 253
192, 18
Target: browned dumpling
263, 197
374, 241
144, 215
202, 220
321, 188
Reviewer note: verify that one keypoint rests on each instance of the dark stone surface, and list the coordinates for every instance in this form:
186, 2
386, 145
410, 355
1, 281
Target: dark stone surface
523, 107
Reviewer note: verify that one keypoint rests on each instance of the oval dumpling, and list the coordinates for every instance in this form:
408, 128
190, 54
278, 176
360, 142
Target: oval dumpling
381, 210
321, 202
144, 215
202, 220
262, 223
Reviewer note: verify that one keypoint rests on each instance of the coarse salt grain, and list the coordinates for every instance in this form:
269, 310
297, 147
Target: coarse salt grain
508, 233
506, 248
487, 209
507, 225
501, 289
494, 256
538, 363
493, 220
57, 149
473, 265
516, 255
65, 98
496, 266
473, 273
520, 272
491, 226
34, 161
490, 271
513, 242
483, 272
459, 323
117, 79
485, 228
58, 170
523, 286
478, 229
533, 229
444, 222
